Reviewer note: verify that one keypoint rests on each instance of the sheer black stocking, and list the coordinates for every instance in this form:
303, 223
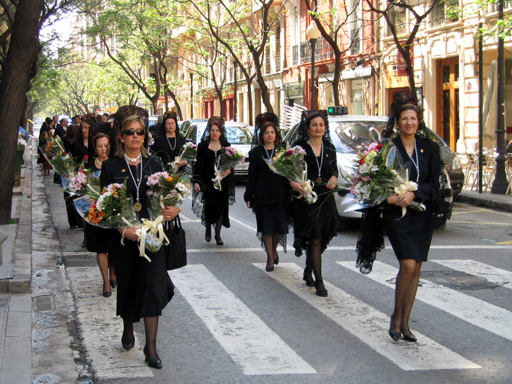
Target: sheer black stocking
128, 339
218, 227
314, 262
151, 327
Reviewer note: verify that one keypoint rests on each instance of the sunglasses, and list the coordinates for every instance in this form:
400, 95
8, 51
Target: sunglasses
131, 132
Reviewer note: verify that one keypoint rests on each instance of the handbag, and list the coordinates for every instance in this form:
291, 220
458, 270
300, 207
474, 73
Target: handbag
176, 250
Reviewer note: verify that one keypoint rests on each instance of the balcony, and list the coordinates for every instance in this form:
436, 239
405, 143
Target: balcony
439, 12
302, 52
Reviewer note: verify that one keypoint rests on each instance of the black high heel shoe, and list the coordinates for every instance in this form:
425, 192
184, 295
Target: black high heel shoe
410, 337
219, 240
113, 283
308, 278
127, 343
276, 260
153, 362
320, 292
395, 335
208, 234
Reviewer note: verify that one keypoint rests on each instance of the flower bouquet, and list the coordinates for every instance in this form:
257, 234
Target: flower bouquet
188, 153
113, 207
228, 158
379, 173
83, 182
62, 162
166, 190
291, 164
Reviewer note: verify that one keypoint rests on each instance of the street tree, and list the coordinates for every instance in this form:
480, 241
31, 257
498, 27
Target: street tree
399, 13
342, 28
19, 50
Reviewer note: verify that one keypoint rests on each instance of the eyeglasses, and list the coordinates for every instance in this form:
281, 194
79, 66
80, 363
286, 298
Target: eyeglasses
131, 132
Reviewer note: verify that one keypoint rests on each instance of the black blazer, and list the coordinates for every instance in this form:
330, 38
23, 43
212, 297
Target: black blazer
264, 187
162, 148
115, 170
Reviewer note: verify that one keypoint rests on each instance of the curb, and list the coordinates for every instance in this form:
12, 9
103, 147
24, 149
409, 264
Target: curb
486, 203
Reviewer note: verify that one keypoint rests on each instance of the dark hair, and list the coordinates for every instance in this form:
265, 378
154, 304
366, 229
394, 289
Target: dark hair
89, 121
264, 127
72, 131
167, 116
48, 120
306, 118
99, 136
407, 107
402, 102
219, 122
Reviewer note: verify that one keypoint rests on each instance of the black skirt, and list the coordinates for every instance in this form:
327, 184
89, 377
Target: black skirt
97, 239
271, 219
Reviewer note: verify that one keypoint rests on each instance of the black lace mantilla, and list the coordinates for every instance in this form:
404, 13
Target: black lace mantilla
371, 239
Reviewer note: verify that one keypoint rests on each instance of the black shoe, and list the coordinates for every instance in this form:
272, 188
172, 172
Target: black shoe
127, 343
320, 292
84, 244
410, 337
276, 260
394, 335
219, 240
208, 234
107, 294
113, 284
153, 362
308, 279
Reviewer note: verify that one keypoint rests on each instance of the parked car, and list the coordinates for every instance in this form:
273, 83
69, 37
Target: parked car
185, 125
238, 134
351, 134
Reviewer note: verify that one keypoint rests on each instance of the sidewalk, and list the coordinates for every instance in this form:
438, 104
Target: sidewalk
20, 289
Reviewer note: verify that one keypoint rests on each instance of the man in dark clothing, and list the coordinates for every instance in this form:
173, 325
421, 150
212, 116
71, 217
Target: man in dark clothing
60, 129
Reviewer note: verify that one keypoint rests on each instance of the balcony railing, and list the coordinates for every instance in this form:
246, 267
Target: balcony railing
323, 50
439, 12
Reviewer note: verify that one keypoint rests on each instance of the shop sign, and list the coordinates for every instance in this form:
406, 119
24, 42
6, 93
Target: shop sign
357, 73
401, 61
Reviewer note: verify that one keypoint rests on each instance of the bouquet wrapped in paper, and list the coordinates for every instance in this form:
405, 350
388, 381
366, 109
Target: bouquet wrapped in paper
112, 208
379, 173
188, 153
62, 162
291, 164
166, 190
228, 158
83, 182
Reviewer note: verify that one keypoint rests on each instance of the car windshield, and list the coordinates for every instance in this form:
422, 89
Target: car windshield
238, 135
355, 136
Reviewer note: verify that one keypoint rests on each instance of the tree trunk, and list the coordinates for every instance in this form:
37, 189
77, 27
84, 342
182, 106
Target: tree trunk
23, 51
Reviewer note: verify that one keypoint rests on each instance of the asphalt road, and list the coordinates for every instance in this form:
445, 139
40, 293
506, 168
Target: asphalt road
232, 322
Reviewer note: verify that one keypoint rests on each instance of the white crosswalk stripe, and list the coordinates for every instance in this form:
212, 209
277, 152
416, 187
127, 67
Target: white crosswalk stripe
101, 329
475, 311
247, 339
491, 274
370, 325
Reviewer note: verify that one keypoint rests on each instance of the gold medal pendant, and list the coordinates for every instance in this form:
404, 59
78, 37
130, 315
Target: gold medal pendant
319, 179
137, 206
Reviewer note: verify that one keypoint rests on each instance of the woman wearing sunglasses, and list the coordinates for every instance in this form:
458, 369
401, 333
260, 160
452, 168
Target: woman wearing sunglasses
144, 288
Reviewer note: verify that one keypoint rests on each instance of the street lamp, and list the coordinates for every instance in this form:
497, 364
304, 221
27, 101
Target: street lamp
191, 95
235, 65
313, 35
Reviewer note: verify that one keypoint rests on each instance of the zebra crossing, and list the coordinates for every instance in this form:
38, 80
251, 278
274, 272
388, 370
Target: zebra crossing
256, 349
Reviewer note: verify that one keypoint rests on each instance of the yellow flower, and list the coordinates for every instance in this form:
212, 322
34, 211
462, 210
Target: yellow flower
169, 179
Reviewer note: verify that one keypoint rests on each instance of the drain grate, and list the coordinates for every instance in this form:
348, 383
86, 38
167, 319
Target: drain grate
458, 280
43, 303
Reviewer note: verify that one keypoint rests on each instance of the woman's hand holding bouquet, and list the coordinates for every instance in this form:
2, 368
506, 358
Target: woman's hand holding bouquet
228, 158
188, 153
291, 164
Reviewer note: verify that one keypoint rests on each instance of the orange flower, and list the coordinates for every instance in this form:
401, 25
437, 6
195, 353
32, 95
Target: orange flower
169, 179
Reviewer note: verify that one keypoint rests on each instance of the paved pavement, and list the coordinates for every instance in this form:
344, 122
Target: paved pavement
30, 252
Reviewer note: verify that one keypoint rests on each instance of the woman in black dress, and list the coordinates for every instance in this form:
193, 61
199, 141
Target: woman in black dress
81, 144
315, 224
213, 208
169, 142
144, 288
268, 193
410, 236
97, 238
69, 138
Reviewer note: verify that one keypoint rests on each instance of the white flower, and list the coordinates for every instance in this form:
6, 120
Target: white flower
100, 206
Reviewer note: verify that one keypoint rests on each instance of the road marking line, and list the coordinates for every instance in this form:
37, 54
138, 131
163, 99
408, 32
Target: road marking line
101, 329
244, 336
491, 274
480, 222
370, 325
475, 311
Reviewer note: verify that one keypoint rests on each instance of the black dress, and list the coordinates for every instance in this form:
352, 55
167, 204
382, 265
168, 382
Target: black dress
79, 150
411, 235
267, 192
144, 288
163, 147
211, 204
318, 220
97, 238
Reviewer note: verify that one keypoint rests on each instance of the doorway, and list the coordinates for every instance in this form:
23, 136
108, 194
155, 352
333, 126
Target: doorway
447, 101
